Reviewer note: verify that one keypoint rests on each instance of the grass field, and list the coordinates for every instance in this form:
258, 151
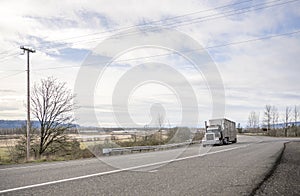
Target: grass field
4, 156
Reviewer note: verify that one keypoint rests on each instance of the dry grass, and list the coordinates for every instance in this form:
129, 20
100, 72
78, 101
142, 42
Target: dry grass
8, 140
4, 155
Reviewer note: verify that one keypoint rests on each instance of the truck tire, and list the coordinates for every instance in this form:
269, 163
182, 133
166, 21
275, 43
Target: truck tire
225, 141
234, 141
222, 142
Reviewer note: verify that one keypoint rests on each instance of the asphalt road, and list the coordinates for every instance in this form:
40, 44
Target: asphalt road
234, 169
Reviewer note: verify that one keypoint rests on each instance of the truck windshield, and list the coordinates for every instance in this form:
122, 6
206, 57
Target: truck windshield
213, 130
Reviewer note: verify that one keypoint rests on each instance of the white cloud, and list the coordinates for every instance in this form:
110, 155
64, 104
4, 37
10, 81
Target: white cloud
254, 74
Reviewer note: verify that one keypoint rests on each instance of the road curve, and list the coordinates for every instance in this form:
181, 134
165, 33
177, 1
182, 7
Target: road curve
234, 169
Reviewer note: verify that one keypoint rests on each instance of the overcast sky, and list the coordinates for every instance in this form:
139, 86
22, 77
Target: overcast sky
241, 39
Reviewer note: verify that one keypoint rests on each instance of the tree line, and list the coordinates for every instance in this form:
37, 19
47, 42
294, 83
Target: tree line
272, 120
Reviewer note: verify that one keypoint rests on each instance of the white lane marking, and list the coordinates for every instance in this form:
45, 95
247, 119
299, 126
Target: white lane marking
118, 170
153, 171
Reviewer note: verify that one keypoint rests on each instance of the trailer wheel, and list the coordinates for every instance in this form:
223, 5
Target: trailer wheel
234, 141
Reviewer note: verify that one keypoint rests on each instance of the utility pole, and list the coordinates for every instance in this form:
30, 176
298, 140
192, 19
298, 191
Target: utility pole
28, 103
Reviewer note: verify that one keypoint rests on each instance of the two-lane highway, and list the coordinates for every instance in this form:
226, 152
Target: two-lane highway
234, 169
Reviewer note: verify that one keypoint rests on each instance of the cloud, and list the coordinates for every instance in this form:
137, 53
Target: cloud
7, 91
63, 33
8, 108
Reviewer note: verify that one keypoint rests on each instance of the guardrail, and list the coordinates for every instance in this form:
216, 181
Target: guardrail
111, 151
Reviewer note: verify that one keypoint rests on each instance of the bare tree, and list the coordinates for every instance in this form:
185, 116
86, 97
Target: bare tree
274, 116
253, 120
52, 104
160, 121
267, 116
257, 120
296, 114
287, 118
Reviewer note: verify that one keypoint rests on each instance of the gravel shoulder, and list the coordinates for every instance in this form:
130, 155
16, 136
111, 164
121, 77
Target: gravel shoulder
285, 179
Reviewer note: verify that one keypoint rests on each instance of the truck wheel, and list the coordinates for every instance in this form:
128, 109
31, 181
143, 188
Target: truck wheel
221, 142
235, 140
225, 141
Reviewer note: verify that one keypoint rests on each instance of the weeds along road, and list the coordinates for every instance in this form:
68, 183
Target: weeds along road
234, 169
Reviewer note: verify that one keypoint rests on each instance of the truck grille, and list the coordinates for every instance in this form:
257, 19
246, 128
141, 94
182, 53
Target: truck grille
210, 137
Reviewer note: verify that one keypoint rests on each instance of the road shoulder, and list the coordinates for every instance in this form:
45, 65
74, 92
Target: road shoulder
285, 179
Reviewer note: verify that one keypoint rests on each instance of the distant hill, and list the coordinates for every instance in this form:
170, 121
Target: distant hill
11, 124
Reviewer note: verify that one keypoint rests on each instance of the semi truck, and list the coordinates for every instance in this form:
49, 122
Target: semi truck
219, 132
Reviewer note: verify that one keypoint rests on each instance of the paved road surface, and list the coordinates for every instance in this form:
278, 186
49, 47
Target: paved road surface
234, 169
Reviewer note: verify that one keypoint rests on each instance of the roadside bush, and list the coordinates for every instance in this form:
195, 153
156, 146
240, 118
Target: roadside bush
69, 150
179, 134
96, 150
198, 136
291, 132
17, 153
151, 141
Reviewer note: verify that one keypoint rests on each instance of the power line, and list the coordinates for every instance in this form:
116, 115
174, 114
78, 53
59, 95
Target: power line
170, 53
246, 11
46, 45
6, 57
196, 20
7, 51
147, 23
187, 22
236, 11
174, 23
207, 18
11, 75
